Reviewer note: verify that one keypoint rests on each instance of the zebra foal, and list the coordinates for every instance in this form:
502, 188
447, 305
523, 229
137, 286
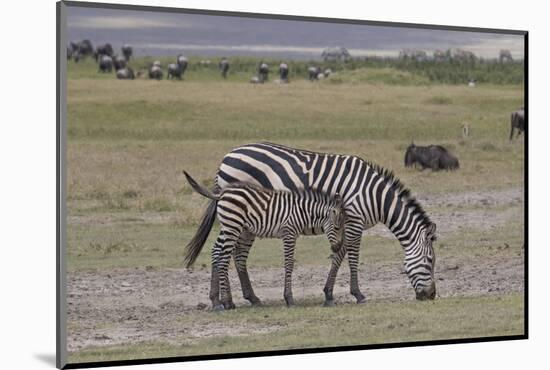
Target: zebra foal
251, 211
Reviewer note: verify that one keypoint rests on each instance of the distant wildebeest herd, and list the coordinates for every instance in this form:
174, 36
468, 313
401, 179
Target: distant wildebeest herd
108, 61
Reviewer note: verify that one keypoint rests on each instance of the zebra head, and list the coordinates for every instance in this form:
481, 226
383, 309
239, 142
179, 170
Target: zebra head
333, 224
420, 263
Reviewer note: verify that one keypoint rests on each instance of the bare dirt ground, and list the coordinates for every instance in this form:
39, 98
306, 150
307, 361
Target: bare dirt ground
143, 304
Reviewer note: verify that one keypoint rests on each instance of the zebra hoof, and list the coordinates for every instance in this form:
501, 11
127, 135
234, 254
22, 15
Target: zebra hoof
218, 307
362, 300
229, 306
290, 302
256, 302
329, 303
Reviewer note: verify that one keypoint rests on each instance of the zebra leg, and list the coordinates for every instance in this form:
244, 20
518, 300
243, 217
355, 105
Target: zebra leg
222, 267
240, 256
214, 280
289, 242
353, 242
337, 259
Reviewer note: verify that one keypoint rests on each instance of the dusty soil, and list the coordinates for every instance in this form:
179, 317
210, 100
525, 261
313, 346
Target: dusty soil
143, 304
139, 305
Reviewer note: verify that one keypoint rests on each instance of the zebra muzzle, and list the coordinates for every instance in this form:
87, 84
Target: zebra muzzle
426, 293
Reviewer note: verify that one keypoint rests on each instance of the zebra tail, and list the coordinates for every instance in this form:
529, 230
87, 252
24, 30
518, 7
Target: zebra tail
193, 249
199, 188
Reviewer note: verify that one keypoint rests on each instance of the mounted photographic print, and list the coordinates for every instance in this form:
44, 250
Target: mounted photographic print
236, 184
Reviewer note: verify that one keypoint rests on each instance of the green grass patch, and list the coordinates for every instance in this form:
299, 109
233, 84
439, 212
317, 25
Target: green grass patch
312, 326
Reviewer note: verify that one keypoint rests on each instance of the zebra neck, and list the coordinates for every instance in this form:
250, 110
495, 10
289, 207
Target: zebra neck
403, 220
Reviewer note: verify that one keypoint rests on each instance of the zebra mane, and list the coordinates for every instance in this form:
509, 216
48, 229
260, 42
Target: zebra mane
401, 190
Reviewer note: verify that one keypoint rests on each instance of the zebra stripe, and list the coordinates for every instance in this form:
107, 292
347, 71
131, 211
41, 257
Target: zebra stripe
371, 195
246, 211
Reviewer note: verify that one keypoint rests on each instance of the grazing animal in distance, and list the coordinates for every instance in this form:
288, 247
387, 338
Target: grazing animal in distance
155, 72
263, 72
336, 54
176, 70
435, 157
517, 119
283, 72
371, 195
125, 73
127, 51
224, 67
314, 73
105, 64
258, 212
101, 50
119, 62
83, 49
505, 56
78, 50
70, 50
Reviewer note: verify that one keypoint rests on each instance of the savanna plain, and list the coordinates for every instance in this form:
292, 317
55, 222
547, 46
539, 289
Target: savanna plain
130, 211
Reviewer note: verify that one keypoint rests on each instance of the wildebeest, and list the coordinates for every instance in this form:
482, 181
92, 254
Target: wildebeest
105, 64
155, 72
435, 157
505, 56
125, 74
177, 69
106, 49
336, 54
440, 55
517, 119
263, 72
119, 62
69, 51
127, 51
80, 49
85, 47
224, 67
313, 73
413, 54
283, 72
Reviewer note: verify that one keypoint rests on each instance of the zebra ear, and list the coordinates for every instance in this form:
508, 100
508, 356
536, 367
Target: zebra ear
430, 232
338, 199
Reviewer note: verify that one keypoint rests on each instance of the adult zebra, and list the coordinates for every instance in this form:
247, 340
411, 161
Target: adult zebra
370, 193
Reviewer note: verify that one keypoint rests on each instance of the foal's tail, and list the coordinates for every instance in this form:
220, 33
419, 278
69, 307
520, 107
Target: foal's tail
193, 249
200, 189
